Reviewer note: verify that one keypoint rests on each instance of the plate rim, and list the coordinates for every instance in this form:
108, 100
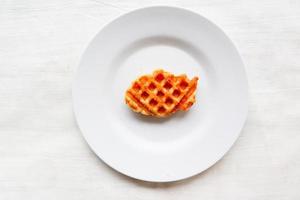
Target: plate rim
75, 77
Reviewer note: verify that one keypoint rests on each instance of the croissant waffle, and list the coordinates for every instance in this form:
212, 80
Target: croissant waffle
161, 94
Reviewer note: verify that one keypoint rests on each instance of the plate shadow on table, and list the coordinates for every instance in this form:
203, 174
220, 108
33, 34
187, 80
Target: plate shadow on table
163, 185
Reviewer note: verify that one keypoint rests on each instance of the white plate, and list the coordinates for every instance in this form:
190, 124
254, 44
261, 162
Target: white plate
179, 41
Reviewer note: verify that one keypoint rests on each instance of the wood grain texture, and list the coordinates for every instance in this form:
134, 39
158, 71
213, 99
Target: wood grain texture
42, 153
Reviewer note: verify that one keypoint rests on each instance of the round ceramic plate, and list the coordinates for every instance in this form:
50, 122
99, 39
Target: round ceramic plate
178, 41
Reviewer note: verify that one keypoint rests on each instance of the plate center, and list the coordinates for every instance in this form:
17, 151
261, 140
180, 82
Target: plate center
143, 57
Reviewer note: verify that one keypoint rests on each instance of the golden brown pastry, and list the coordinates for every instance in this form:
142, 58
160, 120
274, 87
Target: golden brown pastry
161, 93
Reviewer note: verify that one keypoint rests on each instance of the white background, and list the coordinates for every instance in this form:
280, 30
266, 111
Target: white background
42, 152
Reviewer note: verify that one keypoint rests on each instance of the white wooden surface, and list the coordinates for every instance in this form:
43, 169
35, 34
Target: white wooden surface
42, 153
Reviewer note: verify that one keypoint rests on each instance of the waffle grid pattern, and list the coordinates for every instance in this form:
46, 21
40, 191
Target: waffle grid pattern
161, 93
